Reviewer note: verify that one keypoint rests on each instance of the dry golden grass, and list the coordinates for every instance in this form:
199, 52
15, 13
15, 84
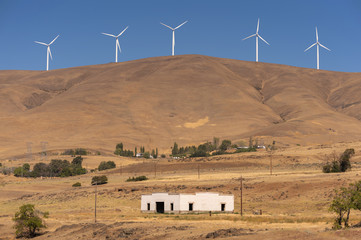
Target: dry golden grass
294, 199
189, 99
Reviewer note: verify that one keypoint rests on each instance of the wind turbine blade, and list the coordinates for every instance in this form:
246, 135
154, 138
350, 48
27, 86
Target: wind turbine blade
324, 47
122, 31
181, 25
167, 26
109, 34
41, 43
257, 26
311, 46
249, 36
50, 53
316, 35
54, 40
263, 39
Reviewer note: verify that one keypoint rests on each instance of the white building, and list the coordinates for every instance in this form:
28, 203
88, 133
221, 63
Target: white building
184, 202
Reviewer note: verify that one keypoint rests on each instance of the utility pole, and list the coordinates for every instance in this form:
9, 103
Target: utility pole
43, 151
241, 188
29, 147
272, 149
155, 169
198, 172
95, 209
121, 170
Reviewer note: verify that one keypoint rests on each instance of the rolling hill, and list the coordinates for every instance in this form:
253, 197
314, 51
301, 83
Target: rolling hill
188, 99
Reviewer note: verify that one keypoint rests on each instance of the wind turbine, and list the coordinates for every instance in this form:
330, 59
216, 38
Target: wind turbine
318, 49
116, 43
48, 51
173, 29
257, 36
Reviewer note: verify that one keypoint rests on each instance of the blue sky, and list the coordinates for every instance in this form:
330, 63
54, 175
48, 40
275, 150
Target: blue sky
215, 28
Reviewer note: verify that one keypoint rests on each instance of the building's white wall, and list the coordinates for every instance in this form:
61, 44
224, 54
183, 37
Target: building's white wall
228, 200
185, 199
160, 197
201, 202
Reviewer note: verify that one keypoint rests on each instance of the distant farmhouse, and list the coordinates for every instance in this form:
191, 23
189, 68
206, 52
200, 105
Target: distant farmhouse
184, 202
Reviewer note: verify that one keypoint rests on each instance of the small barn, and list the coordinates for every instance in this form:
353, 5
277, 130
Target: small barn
184, 202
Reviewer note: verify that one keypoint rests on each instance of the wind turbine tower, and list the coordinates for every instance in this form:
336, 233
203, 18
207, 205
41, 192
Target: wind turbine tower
173, 38
117, 46
318, 49
48, 52
257, 36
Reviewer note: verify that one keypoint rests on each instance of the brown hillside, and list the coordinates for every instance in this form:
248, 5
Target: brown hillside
188, 99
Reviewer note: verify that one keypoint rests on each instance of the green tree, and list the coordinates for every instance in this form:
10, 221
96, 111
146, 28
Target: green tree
119, 146
344, 200
341, 205
339, 163
28, 221
106, 165
77, 161
40, 169
99, 180
156, 153
26, 166
344, 160
225, 145
215, 142
250, 142
153, 153
175, 150
146, 155
135, 151
19, 172
80, 151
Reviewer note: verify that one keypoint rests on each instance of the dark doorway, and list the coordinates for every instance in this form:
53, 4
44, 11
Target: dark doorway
223, 207
160, 207
171, 207
148, 206
191, 207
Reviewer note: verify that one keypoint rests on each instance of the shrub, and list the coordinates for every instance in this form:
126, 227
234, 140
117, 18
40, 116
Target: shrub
200, 153
106, 165
58, 168
162, 156
77, 161
80, 151
119, 150
28, 221
99, 180
345, 163
77, 184
73, 152
21, 172
7, 170
136, 179
344, 200
249, 149
26, 166
146, 155
68, 152
342, 164
225, 145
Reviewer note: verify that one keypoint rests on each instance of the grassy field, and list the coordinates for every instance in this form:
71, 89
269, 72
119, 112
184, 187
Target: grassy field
294, 200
